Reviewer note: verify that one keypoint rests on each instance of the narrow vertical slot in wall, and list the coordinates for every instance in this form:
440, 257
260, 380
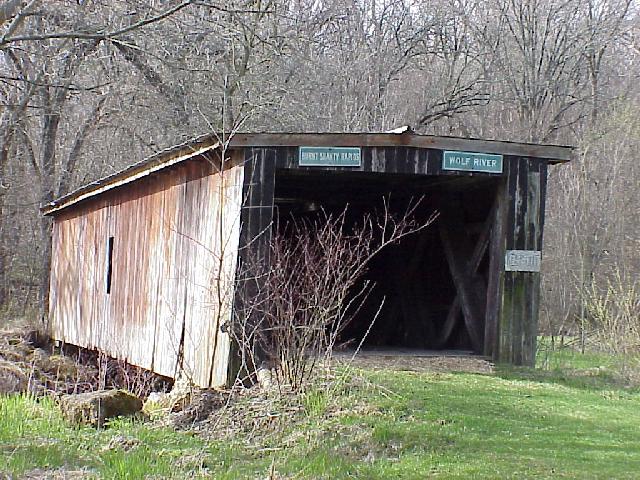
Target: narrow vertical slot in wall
109, 263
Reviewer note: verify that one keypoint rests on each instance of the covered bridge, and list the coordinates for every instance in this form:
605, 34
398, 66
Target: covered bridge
144, 261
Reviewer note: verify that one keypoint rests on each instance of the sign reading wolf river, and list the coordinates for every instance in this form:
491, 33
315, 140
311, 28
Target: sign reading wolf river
472, 162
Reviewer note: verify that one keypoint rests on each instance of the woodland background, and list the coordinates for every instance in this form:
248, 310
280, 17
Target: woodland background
89, 86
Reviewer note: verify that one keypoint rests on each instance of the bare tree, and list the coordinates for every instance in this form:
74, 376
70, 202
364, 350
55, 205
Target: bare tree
460, 61
86, 87
47, 53
308, 287
605, 23
593, 230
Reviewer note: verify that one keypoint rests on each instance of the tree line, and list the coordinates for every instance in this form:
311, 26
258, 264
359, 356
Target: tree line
89, 86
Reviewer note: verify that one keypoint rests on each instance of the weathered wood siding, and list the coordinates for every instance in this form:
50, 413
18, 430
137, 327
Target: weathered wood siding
523, 204
408, 160
179, 233
175, 240
512, 298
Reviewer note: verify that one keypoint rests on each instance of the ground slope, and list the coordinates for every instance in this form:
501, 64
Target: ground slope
378, 424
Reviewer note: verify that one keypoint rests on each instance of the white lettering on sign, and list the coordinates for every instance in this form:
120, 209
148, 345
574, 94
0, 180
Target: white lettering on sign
472, 162
330, 157
522, 261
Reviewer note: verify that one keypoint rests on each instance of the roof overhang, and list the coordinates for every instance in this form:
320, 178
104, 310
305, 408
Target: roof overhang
206, 143
159, 161
553, 153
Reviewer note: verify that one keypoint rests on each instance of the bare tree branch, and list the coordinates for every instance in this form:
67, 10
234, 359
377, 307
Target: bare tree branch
97, 35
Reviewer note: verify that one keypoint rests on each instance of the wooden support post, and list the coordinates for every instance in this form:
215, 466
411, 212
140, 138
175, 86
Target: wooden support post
473, 265
255, 234
496, 267
452, 319
457, 251
520, 296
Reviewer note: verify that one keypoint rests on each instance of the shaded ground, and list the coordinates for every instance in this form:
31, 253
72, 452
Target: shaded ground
30, 363
416, 360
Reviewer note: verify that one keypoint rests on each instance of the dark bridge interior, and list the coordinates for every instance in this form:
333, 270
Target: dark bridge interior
413, 279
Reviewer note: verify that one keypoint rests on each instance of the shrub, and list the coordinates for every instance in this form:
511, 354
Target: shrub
310, 288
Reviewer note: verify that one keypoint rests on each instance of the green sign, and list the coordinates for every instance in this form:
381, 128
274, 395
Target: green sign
330, 157
472, 162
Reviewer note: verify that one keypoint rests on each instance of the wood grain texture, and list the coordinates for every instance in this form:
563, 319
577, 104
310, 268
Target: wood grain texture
496, 267
473, 264
557, 153
180, 232
520, 295
459, 254
411, 146
175, 238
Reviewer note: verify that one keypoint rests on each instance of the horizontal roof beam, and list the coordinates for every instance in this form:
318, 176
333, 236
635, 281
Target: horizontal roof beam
204, 143
554, 153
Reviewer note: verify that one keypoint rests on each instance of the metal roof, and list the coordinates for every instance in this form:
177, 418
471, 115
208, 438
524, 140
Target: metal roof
205, 143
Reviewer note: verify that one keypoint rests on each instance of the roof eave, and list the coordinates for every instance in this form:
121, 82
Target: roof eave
142, 169
179, 153
552, 153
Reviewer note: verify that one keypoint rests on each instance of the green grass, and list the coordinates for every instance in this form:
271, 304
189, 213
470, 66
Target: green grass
555, 422
34, 436
552, 356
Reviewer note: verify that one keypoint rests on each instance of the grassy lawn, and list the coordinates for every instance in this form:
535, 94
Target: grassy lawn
515, 423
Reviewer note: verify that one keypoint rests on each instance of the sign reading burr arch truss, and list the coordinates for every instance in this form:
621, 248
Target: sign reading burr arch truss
330, 157
471, 162
522, 261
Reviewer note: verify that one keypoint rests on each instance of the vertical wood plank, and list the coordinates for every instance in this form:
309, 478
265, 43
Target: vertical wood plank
458, 253
160, 278
255, 229
518, 315
496, 267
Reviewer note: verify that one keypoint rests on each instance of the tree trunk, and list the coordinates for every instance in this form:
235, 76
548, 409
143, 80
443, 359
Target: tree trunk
4, 158
43, 294
3, 268
48, 165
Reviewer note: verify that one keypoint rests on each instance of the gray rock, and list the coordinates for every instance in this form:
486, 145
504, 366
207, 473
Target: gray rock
93, 408
12, 379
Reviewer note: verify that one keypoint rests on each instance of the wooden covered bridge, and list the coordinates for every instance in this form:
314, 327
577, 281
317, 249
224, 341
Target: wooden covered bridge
144, 261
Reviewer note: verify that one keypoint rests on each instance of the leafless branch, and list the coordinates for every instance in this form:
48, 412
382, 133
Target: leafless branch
306, 291
5, 40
